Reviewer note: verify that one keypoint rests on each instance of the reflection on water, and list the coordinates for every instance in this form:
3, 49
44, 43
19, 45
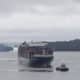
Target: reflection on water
11, 70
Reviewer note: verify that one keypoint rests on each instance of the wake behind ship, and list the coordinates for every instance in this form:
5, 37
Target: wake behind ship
35, 55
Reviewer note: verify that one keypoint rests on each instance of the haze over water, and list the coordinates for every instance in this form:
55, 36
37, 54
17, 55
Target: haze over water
9, 67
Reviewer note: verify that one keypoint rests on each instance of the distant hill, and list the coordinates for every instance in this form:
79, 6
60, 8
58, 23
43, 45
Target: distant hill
72, 45
4, 47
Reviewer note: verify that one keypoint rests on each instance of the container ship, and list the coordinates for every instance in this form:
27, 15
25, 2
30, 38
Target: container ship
36, 55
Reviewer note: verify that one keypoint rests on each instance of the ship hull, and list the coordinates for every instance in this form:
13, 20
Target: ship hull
36, 64
41, 61
36, 61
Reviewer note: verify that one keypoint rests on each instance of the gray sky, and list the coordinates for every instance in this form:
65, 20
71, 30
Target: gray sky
39, 20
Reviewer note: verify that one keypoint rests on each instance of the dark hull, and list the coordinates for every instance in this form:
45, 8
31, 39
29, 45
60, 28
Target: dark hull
41, 61
62, 69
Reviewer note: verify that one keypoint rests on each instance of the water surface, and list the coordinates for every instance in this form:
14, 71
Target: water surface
9, 67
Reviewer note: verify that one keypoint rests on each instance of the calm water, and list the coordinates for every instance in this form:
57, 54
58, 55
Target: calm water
9, 67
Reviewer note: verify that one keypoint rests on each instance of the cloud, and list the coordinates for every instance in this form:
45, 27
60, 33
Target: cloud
77, 1
47, 2
39, 19
7, 6
21, 22
35, 6
39, 7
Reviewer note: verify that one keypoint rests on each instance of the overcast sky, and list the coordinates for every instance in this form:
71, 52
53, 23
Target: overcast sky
39, 20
